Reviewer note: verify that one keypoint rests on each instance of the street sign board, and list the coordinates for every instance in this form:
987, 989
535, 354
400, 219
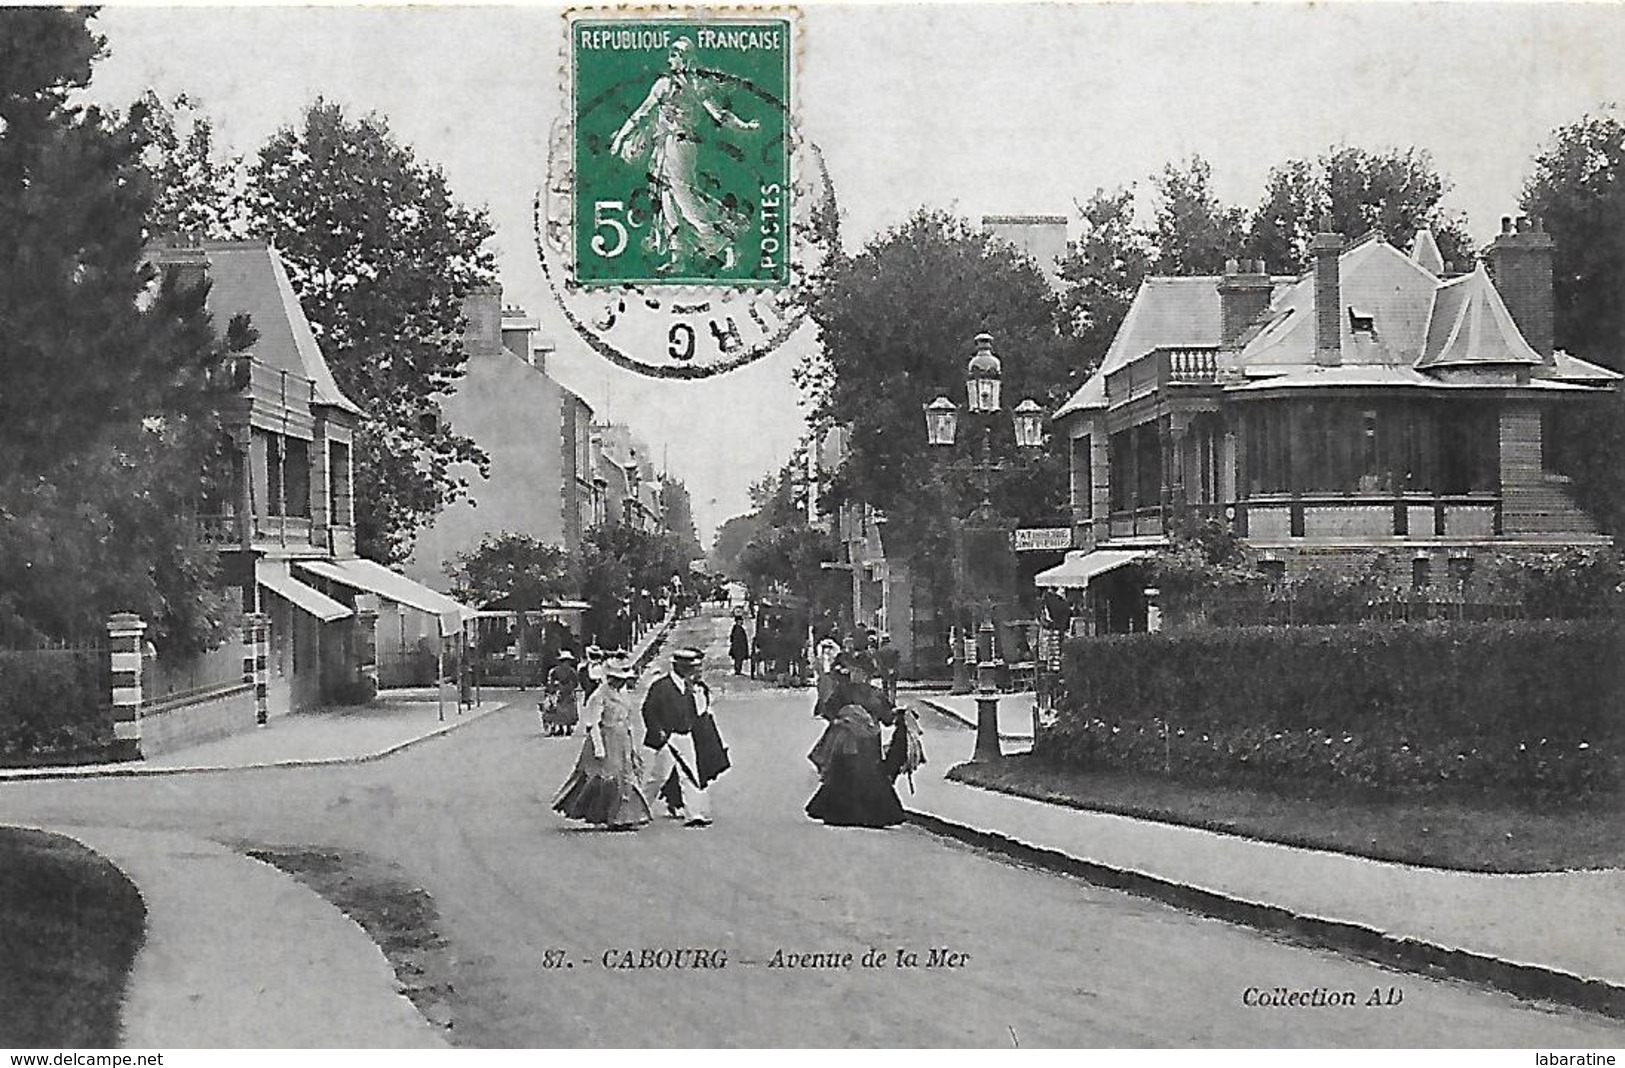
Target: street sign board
1035, 539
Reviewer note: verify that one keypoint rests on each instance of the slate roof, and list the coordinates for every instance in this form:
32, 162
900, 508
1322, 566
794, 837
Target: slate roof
1471, 325
1409, 321
1425, 252
1374, 278
1166, 312
249, 276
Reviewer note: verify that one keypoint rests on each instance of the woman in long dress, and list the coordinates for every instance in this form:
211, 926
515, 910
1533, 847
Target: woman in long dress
855, 787
606, 786
559, 713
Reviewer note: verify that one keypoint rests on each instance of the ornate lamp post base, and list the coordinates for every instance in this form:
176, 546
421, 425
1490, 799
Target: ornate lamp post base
987, 727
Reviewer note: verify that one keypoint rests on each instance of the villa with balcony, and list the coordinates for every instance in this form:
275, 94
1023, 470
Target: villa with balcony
1378, 402
284, 523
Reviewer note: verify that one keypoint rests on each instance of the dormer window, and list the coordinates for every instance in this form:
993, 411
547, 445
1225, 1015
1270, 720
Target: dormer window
1362, 322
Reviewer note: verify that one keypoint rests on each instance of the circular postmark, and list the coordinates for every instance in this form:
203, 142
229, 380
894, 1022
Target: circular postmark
683, 214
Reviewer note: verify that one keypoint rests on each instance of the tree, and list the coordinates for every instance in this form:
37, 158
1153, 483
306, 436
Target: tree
729, 544
1193, 233
201, 192
107, 412
678, 510
382, 257
1395, 192
898, 321
1103, 270
517, 569
1578, 191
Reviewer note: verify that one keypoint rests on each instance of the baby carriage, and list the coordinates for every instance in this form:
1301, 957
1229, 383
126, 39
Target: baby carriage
558, 709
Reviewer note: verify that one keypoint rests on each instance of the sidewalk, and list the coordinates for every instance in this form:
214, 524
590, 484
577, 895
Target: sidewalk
1015, 711
238, 954
396, 720
1558, 936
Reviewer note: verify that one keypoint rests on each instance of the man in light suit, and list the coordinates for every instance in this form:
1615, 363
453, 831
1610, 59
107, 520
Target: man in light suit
680, 729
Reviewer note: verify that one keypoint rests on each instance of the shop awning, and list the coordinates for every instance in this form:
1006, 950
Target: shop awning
274, 576
1079, 567
376, 578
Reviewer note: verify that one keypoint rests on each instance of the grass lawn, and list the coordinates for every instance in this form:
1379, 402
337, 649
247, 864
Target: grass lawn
397, 915
1468, 834
70, 926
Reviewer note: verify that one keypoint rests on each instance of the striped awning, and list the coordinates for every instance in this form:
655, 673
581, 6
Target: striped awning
391, 586
1080, 567
274, 576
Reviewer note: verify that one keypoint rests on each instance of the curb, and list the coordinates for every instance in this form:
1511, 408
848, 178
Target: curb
957, 717
115, 772
1529, 981
93, 772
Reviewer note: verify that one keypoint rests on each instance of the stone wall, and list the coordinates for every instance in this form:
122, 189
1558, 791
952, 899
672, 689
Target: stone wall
168, 727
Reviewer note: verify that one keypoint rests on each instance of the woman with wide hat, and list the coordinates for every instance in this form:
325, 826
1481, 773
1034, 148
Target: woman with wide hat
854, 772
606, 786
559, 713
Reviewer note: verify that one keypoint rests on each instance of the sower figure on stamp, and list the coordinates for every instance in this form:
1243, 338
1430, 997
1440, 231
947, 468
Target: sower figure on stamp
683, 734
668, 129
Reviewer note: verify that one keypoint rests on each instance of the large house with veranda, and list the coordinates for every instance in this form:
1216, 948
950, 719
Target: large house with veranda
1378, 406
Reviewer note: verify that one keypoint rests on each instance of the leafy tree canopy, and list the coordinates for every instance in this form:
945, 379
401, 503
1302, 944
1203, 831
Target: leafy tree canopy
1578, 191
898, 322
200, 190
107, 420
678, 512
524, 573
382, 257
1395, 192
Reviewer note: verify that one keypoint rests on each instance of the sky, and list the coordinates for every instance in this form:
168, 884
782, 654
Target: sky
979, 109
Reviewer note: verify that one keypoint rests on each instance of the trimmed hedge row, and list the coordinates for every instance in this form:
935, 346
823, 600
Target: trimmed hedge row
1527, 708
52, 702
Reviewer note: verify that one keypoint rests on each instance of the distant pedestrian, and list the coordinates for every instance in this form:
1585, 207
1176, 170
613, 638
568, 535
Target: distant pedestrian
739, 646
606, 786
888, 662
560, 714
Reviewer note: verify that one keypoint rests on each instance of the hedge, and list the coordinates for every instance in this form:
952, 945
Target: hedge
1519, 707
52, 702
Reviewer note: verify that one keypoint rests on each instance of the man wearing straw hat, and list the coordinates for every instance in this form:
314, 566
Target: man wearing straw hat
683, 734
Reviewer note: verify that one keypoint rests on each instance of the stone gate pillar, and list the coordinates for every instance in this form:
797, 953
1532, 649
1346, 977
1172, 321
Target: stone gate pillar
256, 660
126, 637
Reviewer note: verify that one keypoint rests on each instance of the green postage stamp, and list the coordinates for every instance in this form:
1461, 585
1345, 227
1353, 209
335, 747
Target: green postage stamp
682, 151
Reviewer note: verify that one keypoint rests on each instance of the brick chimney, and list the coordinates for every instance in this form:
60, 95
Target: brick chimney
1520, 262
1326, 248
483, 309
517, 330
1244, 293
182, 258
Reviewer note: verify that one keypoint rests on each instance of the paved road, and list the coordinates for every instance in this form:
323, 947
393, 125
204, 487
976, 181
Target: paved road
1048, 961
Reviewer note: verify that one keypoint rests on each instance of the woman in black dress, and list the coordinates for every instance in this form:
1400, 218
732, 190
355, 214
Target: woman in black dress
855, 780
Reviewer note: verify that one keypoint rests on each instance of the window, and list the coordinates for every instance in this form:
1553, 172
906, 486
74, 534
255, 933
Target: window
1461, 571
273, 475
1371, 480
1148, 466
1082, 479
296, 476
1421, 573
338, 482
1274, 571
1121, 474
1469, 449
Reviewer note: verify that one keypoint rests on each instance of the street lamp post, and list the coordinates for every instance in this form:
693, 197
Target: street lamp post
983, 381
